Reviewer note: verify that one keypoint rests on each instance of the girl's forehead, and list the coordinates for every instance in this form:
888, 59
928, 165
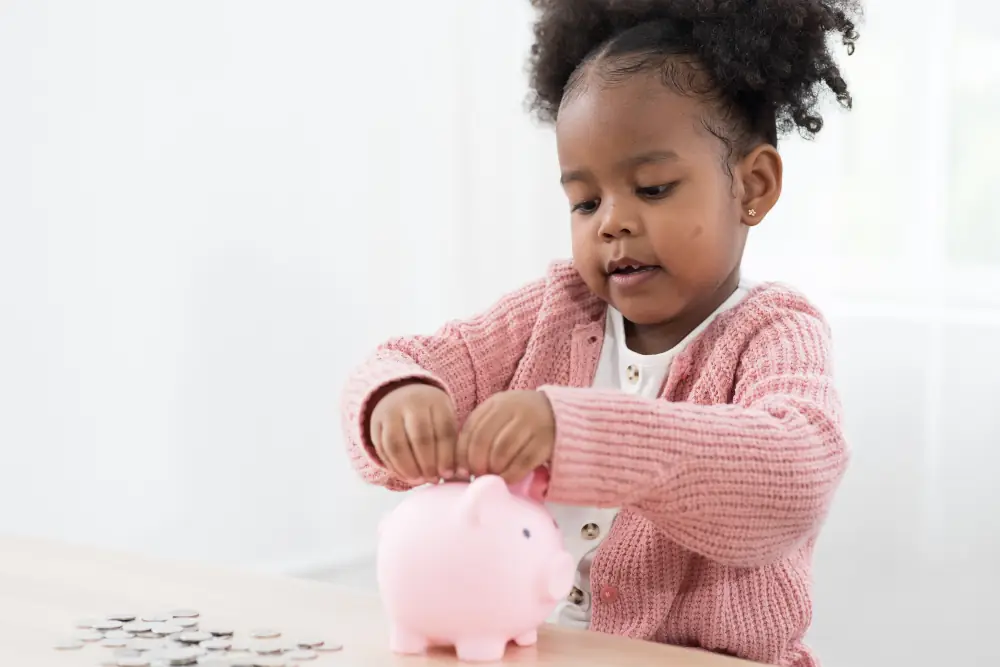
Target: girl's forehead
624, 116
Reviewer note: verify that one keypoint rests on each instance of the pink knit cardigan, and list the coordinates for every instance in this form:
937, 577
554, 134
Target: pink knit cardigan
723, 482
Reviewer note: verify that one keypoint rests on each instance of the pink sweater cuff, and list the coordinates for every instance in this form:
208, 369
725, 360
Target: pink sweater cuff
389, 369
740, 485
593, 464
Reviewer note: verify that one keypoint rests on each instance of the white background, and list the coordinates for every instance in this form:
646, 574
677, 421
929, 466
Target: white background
210, 210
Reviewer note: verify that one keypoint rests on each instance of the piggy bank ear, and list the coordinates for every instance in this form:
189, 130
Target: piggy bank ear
534, 486
483, 493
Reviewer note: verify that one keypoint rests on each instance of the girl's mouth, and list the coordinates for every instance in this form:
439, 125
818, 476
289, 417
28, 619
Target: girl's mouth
633, 275
628, 270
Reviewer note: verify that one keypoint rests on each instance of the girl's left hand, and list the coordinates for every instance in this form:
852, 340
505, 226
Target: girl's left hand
509, 434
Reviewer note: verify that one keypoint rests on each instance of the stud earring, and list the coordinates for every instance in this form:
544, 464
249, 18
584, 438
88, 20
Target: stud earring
752, 212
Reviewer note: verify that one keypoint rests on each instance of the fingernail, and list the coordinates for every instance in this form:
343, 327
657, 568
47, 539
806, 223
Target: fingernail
448, 473
462, 472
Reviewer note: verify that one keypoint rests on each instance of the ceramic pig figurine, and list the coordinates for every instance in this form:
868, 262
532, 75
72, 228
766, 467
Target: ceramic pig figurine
470, 565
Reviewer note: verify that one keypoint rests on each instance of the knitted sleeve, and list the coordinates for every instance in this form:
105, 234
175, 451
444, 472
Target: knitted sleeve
742, 484
471, 360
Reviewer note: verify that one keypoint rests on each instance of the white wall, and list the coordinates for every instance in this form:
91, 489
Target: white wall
210, 210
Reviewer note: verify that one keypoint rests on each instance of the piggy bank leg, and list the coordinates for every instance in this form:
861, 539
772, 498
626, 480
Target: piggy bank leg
403, 641
527, 639
481, 650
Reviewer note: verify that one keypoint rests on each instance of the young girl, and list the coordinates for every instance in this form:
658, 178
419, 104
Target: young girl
688, 419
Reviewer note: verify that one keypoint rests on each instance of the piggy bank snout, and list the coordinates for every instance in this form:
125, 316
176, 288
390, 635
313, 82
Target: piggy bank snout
558, 576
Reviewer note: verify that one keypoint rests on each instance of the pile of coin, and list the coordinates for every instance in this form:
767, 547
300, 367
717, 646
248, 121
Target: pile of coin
178, 639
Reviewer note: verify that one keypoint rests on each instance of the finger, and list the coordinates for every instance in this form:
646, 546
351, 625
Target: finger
420, 432
397, 454
462, 445
375, 434
488, 427
523, 463
509, 443
445, 436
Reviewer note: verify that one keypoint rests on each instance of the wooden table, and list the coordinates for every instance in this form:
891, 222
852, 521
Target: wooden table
45, 587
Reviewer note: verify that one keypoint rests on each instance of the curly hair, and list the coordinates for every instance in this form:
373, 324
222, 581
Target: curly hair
763, 62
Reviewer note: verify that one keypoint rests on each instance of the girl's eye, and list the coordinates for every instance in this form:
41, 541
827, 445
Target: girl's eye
657, 191
588, 206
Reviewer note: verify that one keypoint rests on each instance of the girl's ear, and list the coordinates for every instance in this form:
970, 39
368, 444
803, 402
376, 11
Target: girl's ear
760, 172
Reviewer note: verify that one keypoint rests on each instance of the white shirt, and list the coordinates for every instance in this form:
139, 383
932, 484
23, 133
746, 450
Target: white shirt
584, 528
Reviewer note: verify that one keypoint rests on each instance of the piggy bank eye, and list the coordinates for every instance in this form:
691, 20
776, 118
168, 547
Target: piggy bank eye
526, 533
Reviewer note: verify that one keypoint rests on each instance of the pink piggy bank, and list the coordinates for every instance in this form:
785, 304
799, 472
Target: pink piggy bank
470, 565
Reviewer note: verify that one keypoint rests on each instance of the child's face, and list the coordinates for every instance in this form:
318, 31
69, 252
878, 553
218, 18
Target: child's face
647, 181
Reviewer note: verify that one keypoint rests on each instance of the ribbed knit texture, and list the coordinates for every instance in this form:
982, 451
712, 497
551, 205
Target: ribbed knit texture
723, 482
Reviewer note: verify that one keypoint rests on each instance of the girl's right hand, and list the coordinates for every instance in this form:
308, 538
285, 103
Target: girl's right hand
414, 431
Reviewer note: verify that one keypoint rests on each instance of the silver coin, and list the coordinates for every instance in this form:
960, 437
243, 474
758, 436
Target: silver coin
156, 618
239, 659
166, 628
146, 644
264, 633
304, 654
89, 636
115, 642
124, 617
216, 645
329, 647
126, 653
195, 637
240, 645
185, 622
68, 645
182, 656
108, 661
310, 643
220, 632
163, 657
133, 662
149, 635
270, 661
118, 634
214, 661
136, 626
268, 648
185, 613
108, 625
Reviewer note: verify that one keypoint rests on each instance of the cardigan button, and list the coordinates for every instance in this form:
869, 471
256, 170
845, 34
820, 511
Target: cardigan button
609, 594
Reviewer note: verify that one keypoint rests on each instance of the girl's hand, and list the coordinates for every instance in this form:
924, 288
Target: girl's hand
509, 434
413, 429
